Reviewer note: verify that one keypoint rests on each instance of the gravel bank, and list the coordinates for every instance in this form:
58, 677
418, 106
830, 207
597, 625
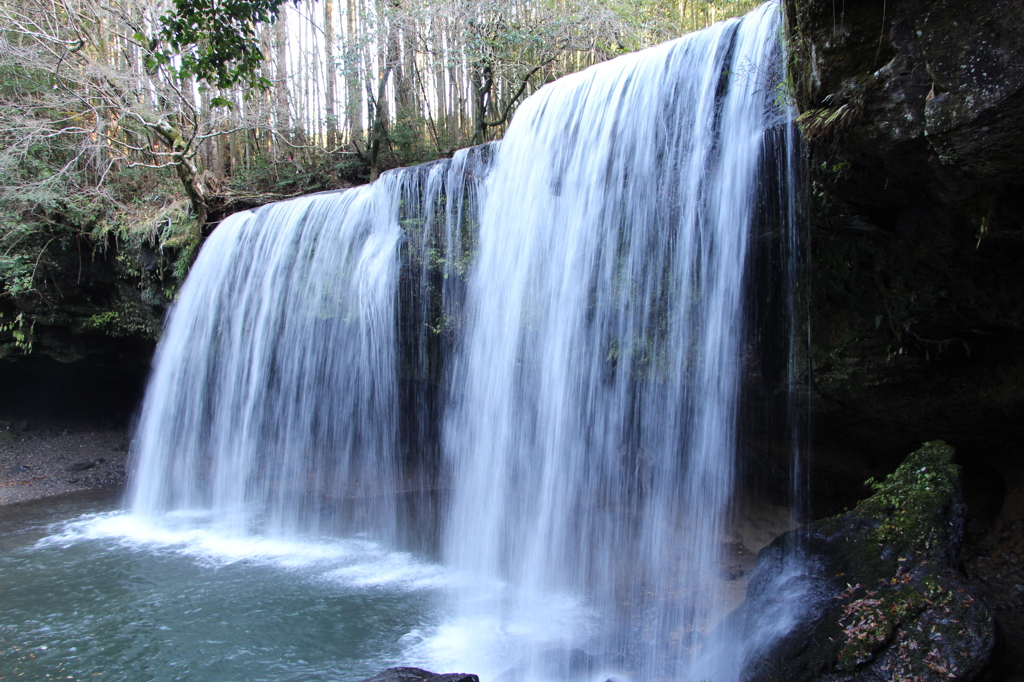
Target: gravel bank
45, 458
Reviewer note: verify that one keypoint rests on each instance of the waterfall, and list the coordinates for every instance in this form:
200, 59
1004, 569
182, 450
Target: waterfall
592, 423
274, 402
562, 335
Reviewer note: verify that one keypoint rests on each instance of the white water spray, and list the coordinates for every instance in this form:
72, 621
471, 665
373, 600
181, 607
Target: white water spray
592, 426
558, 337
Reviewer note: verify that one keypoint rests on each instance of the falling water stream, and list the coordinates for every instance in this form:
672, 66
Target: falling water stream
591, 431
513, 386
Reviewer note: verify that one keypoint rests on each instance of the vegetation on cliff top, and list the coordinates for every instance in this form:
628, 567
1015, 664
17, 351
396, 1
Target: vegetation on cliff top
128, 128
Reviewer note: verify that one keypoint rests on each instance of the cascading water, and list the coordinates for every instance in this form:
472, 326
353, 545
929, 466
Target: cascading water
249, 414
557, 336
274, 401
592, 427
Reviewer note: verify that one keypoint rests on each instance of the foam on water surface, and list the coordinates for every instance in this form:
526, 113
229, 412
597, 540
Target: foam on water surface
355, 563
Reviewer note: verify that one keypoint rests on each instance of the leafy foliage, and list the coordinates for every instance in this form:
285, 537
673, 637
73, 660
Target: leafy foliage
215, 41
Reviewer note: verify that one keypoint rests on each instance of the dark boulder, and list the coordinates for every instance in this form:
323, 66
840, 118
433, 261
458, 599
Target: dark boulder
82, 466
872, 594
407, 674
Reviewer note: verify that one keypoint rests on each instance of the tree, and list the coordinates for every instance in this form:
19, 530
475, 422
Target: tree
213, 41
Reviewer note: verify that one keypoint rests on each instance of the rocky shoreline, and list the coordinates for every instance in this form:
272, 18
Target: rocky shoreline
43, 458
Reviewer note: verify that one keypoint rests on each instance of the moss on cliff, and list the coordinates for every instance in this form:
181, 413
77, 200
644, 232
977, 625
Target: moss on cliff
909, 502
884, 599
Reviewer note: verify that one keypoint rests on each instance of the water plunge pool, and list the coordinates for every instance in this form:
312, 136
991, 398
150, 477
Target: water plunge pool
89, 591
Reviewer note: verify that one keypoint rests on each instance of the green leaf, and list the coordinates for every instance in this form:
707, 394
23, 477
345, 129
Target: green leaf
215, 41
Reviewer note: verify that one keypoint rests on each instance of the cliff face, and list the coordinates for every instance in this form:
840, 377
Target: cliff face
913, 111
914, 114
80, 344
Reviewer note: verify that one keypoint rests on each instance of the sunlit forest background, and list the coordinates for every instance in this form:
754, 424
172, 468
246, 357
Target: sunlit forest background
115, 128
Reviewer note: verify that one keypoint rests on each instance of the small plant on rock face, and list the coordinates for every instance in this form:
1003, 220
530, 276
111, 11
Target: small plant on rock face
23, 338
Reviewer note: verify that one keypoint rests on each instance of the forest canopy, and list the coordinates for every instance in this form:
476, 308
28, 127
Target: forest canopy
137, 122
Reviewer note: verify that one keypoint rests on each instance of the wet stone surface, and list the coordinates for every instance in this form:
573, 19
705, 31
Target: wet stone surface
875, 593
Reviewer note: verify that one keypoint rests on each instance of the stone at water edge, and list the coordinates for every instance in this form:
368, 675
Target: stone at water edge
878, 596
82, 466
407, 674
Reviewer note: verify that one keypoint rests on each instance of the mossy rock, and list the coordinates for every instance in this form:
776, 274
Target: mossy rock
872, 594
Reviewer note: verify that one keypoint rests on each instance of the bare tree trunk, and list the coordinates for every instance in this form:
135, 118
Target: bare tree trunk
316, 131
329, 96
378, 131
183, 157
353, 71
404, 72
281, 73
440, 92
481, 83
